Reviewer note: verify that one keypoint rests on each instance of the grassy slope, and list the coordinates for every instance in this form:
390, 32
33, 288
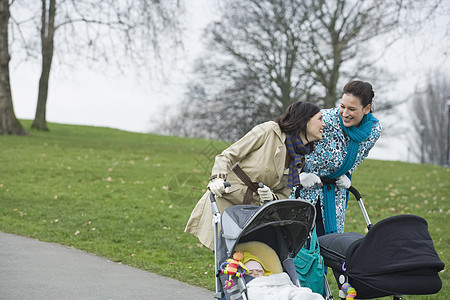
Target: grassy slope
127, 196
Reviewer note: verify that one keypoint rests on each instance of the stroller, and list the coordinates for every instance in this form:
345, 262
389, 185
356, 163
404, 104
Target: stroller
395, 258
278, 228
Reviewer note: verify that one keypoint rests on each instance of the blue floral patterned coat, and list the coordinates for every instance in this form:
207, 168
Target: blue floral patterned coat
327, 157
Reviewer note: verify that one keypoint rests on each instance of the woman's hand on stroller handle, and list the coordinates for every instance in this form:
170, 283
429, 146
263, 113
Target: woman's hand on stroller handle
327, 181
308, 180
343, 182
218, 186
264, 192
221, 184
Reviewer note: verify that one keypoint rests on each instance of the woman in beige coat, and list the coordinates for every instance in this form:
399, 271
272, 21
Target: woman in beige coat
271, 153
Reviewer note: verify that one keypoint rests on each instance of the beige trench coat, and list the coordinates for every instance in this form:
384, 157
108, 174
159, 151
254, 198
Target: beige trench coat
261, 154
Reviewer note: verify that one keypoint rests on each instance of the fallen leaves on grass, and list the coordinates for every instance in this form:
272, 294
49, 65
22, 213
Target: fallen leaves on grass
199, 245
21, 213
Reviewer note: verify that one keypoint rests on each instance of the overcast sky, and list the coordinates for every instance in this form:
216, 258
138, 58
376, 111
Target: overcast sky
85, 97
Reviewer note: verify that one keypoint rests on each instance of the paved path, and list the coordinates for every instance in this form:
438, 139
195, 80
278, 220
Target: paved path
31, 269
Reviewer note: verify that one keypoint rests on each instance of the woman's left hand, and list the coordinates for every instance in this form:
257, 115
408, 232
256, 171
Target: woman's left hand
343, 182
265, 194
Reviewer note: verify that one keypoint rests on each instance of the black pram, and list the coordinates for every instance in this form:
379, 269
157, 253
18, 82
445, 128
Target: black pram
396, 257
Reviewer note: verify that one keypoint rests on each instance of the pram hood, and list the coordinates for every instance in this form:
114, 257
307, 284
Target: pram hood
289, 220
396, 256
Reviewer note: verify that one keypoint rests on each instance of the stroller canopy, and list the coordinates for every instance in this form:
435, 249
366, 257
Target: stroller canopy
396, 256
279, 224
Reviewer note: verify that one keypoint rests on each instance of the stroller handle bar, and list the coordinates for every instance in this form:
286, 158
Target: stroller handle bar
358, 197
216, 220
327, 181
225, 184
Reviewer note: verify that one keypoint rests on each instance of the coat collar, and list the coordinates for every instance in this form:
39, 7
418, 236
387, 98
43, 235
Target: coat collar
276, 128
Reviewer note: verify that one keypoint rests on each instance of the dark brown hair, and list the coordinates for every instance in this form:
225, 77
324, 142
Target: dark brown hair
296, 117
362, 90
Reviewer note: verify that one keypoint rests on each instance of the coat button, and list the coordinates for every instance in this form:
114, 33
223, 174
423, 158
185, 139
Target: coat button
267, 169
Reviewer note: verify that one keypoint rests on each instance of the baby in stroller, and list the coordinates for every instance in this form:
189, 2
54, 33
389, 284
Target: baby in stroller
270, 236
263, 283
255, 269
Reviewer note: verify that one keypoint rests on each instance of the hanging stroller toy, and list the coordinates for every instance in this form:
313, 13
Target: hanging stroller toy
232, 268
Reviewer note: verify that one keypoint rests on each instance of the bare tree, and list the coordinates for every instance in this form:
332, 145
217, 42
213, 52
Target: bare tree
8, 121
252, 71
47, 45
262, 43
430, 122
338, 33
265, 54
106, 34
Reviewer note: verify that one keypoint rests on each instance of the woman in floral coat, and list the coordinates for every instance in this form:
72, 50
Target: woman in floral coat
351, 131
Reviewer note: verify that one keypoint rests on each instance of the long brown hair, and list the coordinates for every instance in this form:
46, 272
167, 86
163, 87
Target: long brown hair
296, 117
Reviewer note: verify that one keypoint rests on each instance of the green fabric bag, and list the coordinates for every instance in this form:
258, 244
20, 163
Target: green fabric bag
310, 266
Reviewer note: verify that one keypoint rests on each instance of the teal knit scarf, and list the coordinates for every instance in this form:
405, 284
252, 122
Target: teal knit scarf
356, 135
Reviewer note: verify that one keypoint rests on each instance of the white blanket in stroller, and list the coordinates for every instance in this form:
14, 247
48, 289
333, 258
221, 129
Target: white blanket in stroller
278, 287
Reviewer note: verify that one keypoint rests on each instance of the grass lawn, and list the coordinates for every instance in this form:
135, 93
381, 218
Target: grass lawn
127, 196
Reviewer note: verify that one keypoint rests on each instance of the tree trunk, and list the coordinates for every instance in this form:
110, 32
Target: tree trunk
47, 33
331, 86
8, 121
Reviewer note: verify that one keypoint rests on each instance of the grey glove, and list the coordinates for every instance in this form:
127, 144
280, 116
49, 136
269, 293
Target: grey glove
216, 186
265, 194
343, 182
308, 180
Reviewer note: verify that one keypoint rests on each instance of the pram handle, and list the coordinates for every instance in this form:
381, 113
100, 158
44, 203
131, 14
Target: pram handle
216, 220
261, 185
327, 181
358, 197
212, 198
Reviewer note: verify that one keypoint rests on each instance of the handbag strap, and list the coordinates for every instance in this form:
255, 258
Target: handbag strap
314, 242
252, 186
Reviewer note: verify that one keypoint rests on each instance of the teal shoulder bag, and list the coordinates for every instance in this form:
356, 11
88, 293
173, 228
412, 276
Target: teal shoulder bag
310, 267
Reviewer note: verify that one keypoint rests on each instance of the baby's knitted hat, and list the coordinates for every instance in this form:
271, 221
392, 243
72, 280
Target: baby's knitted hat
253, 265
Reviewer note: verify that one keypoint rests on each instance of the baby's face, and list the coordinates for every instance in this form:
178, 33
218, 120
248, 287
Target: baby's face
256, 273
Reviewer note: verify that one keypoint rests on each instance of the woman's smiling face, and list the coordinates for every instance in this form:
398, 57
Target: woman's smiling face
314, 128
352, 111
